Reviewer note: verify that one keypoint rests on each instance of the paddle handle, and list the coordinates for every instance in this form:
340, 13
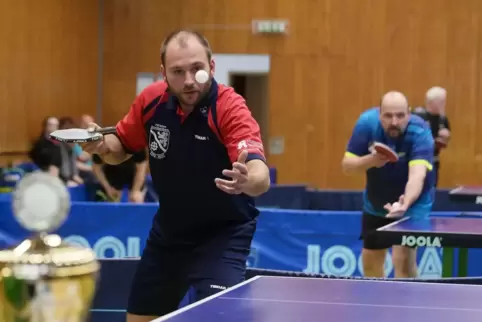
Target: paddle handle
106, 130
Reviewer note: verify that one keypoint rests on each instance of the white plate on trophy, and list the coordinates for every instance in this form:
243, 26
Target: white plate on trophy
41, 202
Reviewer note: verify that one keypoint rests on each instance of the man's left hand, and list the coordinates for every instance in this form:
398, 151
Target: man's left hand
238, 174
444, 134
136, 196
397, 209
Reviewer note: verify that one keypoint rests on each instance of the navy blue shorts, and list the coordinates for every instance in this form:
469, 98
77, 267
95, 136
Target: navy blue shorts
164, 274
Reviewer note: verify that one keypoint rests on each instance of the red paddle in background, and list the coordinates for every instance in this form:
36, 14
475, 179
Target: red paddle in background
440, 143
386, 151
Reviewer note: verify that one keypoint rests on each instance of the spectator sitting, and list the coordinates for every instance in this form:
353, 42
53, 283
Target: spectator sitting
84, 159
45, 152
68, 170
9, 177
113, 178
85, 120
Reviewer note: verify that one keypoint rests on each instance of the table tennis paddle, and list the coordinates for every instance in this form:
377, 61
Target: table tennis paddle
440, 143
386, 151
81, 135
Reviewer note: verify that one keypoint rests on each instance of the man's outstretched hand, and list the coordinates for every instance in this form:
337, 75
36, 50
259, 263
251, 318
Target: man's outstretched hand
397, 209
238, 175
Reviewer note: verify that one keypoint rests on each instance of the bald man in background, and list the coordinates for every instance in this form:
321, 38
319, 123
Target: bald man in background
393, 189
434, 114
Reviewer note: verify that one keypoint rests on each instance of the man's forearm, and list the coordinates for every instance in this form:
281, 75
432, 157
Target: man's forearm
99, 174
116, 154
413, 188
140, 176
353, 164
258, 178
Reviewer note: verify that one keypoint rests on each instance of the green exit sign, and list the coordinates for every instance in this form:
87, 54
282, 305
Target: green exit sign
270, 26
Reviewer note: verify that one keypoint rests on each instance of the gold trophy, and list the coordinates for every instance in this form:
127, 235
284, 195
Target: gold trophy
42, 279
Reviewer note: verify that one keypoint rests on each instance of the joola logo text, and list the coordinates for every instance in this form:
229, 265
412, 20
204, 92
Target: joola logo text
421, 241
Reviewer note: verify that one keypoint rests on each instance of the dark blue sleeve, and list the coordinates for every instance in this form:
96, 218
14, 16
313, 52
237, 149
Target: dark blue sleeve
360, 137
422, 148
446, 122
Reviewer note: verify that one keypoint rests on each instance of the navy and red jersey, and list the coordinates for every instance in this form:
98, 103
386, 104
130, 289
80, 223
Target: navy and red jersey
186, 154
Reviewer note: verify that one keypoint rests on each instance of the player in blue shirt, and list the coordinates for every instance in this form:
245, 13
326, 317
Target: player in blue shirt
393, 189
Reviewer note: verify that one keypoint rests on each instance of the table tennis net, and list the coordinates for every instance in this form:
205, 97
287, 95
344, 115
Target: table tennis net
252, 272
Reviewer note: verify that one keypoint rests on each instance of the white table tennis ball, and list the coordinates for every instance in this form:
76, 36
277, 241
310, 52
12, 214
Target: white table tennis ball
202, 76
396, 205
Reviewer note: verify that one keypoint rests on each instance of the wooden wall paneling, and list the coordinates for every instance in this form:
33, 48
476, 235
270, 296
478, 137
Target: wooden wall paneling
478, 110
227, 25
49, 65
289, 110
352, 48
459, 162
13, 76
133, 32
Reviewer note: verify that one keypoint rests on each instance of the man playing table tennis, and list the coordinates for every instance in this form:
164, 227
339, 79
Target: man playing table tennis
207, 163
393, 189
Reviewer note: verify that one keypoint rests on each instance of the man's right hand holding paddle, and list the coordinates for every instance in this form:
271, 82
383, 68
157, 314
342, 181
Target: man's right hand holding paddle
95, 147
379, 156
353, 163
109, 148
378, 160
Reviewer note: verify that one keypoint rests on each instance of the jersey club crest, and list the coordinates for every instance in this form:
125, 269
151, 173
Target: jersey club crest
159, 137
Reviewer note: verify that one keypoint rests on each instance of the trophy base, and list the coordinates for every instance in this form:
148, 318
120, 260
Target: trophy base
45, 280
66, 299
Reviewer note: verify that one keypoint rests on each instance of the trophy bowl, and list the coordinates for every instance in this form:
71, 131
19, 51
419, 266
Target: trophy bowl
43, 279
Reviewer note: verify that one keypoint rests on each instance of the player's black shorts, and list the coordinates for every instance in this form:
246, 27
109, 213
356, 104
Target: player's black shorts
370, 223
164, 274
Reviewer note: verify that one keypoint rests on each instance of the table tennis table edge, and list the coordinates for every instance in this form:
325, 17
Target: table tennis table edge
455, 190
352, 279
461, 188
383, 228
425, 233
447, 262
248, 281
207, 299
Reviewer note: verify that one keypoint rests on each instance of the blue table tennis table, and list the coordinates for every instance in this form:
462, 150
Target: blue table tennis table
296, 299
448, 233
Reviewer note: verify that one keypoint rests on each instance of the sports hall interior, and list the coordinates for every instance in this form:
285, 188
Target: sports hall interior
336, 58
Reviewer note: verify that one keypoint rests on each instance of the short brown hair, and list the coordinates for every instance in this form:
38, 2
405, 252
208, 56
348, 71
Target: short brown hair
183, 33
